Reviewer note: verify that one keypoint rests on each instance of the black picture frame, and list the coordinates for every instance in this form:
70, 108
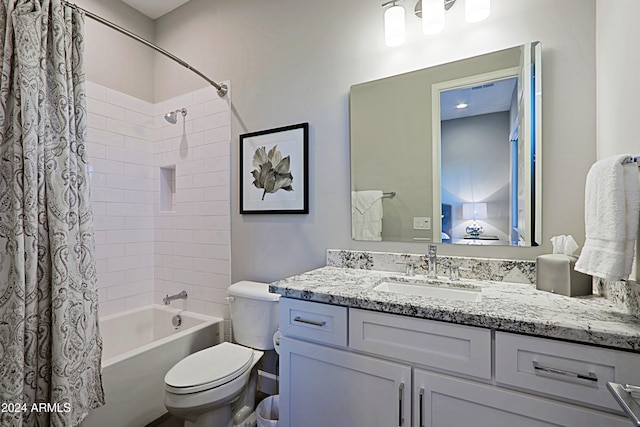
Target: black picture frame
274, 171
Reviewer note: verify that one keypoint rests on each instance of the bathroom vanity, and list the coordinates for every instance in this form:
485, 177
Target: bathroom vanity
352, 355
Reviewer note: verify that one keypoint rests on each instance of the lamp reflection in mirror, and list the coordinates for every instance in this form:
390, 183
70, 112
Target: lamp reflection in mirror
394, 28
474, 211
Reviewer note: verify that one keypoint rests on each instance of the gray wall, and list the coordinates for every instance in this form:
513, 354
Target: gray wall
113, 59
292, 61
617, 83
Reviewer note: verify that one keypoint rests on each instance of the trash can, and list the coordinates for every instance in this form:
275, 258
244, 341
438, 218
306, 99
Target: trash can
268, 412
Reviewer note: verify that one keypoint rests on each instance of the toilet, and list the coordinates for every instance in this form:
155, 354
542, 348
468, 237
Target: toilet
217, 386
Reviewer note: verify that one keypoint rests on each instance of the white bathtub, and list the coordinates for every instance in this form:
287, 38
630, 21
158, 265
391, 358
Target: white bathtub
140, 346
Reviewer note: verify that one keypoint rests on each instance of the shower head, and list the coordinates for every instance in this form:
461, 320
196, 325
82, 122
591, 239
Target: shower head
172, 116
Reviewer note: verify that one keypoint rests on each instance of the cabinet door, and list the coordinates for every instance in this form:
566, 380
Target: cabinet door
323, 387
442, 401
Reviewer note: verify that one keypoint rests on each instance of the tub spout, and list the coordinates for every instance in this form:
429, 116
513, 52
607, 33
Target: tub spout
167, 300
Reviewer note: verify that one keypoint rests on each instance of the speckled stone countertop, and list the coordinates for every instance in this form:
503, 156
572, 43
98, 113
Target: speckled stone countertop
504, 306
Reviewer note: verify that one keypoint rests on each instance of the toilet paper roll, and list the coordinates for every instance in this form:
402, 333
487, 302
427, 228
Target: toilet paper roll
276, 341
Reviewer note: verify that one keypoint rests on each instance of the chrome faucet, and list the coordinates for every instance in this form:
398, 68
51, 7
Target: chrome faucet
167, 300
410, 267
432, 262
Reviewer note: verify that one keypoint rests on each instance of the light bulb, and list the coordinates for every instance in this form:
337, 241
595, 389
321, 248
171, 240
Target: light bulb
476, 10
394, 26
432, 16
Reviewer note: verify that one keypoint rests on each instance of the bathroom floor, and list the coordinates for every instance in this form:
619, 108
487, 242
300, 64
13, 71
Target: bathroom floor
171, 421
167, 421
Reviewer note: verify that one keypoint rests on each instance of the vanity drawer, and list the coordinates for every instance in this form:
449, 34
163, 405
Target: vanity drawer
313, 321
442, 346
574, 372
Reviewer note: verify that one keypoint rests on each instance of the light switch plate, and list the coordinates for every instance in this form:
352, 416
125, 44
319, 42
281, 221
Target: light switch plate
422, 223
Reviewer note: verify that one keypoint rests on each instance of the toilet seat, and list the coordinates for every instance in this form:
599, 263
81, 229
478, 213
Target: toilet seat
208, 368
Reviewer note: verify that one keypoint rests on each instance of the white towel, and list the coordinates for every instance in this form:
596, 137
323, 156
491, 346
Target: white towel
366, 215
612, 210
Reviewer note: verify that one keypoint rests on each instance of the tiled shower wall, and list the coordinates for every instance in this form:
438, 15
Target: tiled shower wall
192, 242
144, 253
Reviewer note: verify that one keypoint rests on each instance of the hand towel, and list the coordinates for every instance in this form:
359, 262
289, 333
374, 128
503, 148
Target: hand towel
612, 210
366, 215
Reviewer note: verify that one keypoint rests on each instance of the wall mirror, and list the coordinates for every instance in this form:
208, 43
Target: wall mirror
451, 153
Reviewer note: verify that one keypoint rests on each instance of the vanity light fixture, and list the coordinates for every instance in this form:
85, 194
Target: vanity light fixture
432, 14
394, 28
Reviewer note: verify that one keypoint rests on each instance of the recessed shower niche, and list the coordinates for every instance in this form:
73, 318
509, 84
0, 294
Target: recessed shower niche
167, 188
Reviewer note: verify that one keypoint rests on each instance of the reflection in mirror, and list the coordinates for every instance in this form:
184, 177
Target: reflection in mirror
479, 182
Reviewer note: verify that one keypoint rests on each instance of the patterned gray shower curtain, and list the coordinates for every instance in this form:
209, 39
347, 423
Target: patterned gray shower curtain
50, 346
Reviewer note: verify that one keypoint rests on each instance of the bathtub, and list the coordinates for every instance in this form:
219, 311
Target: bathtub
140, 346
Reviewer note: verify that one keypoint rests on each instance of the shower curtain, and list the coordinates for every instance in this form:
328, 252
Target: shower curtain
50, 346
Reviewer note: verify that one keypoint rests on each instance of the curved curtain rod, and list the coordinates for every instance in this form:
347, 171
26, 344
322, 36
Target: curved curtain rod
222, 88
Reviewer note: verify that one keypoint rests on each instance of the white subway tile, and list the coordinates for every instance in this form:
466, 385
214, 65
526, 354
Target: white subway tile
222, 134
129, 183
107, 166
139, 275
129, 102
105, 223
129, 236
136, 144
188, 277
95, 121
138, 118
105, 137
107, 194
139, 248
139, 300
218, 281
129, 209
96, 151
184, 222
192, 167
194, 140
217, 309
221, 222
95, 91
129, 289
106, 251
218, 194
110, 278
205, 95
139, 171
178, 262
190, 195
107, 110
222, 163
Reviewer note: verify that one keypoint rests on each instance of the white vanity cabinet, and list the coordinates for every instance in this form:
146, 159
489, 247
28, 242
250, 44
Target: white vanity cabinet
447, 401
322, 386
347, 367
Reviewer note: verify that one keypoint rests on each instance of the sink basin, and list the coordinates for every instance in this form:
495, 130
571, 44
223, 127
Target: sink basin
425, 290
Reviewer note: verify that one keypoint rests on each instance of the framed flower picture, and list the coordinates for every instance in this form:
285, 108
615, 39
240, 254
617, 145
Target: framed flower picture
274, 171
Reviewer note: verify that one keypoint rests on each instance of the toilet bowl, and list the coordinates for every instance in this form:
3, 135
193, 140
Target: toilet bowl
216, 386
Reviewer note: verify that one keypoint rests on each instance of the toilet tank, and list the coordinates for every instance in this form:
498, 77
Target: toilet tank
254, 314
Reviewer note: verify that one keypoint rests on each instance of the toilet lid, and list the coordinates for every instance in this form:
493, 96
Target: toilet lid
208, 368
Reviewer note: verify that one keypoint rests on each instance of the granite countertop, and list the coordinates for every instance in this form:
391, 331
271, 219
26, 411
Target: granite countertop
504, 306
